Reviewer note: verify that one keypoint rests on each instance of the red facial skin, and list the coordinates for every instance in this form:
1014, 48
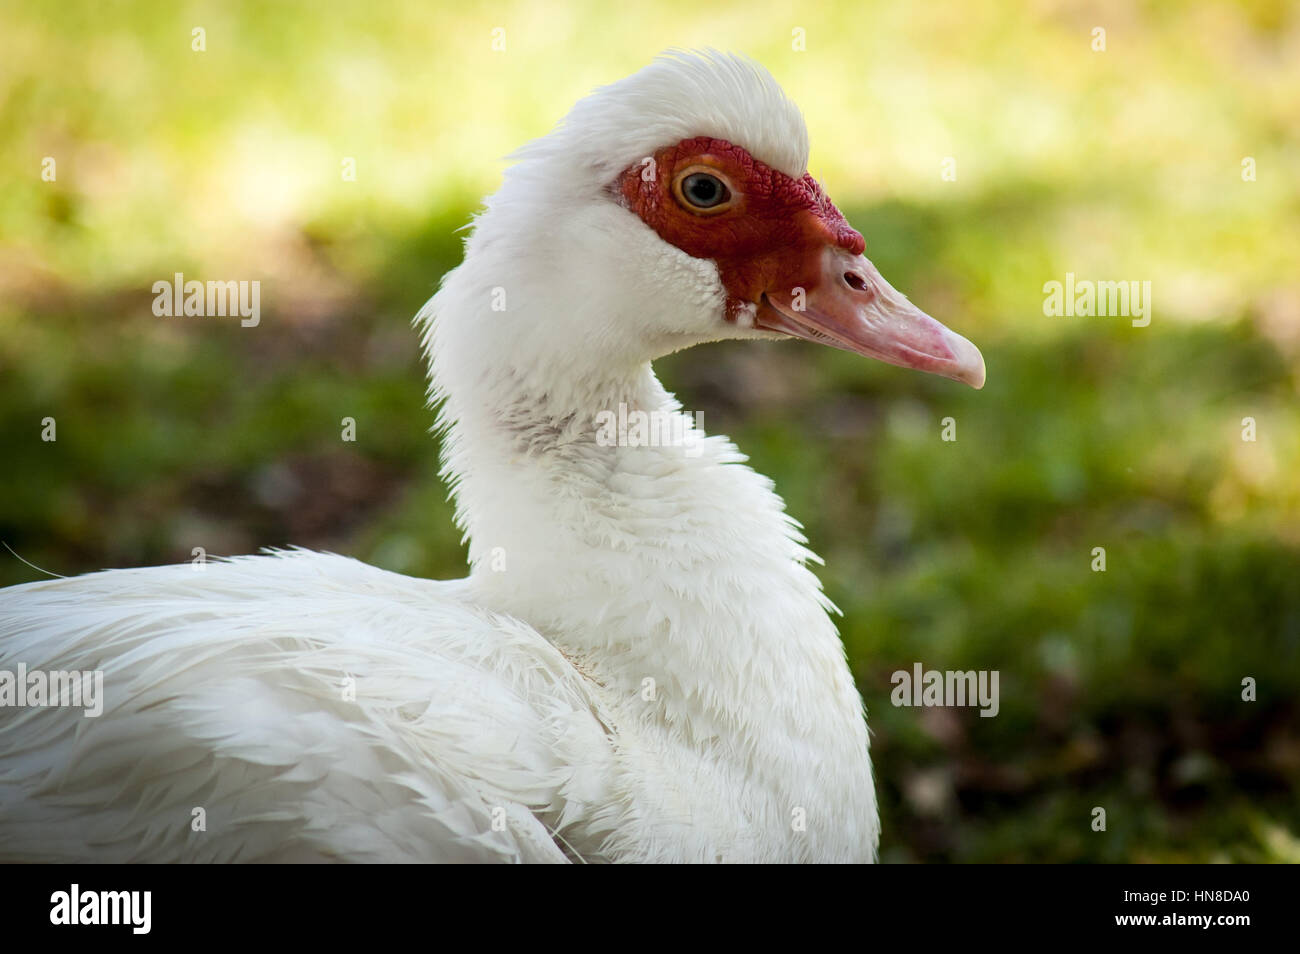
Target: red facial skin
772, 235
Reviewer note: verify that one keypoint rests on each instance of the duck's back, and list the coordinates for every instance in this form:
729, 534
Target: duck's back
297, 706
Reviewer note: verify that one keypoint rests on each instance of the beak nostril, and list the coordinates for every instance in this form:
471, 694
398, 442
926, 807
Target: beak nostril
856, 281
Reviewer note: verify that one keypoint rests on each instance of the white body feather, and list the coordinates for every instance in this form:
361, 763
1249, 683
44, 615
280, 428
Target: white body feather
638, 668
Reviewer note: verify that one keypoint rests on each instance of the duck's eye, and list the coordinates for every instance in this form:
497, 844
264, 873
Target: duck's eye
702, 192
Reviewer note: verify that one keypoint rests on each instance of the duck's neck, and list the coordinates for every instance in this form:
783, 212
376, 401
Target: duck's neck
669, 573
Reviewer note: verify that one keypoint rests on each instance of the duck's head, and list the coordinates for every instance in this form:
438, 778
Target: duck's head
675, 207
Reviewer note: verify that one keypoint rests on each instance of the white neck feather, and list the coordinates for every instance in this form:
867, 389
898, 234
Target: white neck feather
670, 575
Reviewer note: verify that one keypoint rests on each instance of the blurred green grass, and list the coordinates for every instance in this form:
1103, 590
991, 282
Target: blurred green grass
1120, 689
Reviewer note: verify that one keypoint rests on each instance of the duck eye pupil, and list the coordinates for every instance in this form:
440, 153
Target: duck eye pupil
703, 190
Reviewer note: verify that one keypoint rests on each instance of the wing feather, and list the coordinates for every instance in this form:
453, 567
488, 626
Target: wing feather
313, 707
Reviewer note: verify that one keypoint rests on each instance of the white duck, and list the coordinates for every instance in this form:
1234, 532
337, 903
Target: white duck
639, 666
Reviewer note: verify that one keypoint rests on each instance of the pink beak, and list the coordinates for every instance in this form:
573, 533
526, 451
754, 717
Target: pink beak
852, 307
